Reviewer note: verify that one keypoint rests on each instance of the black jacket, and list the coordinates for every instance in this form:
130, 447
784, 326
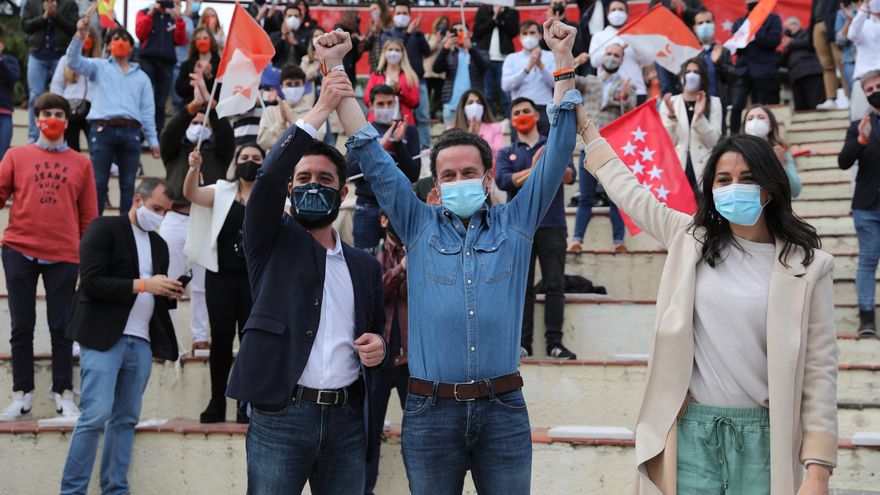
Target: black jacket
687, 14
108, 267
800, 58
868, 157
447, 62
34, 26
286, 269
402, 152
181, 85
507, 24
725, 73
824, 11
759, 59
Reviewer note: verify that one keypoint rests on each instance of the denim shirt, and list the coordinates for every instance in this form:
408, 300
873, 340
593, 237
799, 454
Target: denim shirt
466, 284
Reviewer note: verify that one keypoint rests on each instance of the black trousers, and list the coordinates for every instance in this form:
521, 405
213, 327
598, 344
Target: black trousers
228, 297
765, 91
382, 382
808, 92
548, 248
59, 279
74, 128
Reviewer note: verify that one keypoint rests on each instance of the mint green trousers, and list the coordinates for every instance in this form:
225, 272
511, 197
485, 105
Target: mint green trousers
723, 451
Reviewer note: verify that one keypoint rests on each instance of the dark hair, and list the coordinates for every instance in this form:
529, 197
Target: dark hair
51, 100
122, 33
460, 120
403, 3
523, 99
704, 80
193, 51
774, 138
380, 89
149, 184
319, 148
291, 70
782, 222
458, 137
705, 11
250, 144
529, 24
625, 5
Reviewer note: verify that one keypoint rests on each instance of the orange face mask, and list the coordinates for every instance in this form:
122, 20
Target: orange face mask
88, 44
52, 128
524, 123
120, 48
203, 46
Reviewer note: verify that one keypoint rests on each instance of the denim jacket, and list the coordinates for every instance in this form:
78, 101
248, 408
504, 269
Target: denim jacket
467, 284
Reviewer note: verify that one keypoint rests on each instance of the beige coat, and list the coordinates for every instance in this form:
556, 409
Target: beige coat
272, 126
699, 137
801, 345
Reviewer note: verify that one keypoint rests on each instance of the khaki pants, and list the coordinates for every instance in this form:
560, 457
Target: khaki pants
830, 58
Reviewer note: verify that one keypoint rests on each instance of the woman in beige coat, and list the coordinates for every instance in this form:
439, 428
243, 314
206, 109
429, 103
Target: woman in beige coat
744, 338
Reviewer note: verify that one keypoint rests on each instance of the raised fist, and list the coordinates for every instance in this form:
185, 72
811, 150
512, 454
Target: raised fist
332, 47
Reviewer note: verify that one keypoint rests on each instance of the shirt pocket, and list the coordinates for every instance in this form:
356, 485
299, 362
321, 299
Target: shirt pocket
442, 260
493, 255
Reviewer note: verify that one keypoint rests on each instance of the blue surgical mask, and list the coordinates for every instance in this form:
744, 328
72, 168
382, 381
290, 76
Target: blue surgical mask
705, 31
463, 197
196, 7
739, 203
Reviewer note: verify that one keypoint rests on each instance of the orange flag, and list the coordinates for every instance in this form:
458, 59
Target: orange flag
664, 36
248, 51
746, 32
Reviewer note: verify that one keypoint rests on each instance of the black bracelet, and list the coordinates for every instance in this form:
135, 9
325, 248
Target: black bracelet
563, 77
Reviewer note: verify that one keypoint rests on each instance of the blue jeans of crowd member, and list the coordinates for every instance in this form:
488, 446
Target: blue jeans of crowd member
366, 230
492, 87
119, 145
113, 384
161, 74
586, 198
5, 133
39, 73
443, 439
176, 100
868, 233
382, 383
324, 445
423, 116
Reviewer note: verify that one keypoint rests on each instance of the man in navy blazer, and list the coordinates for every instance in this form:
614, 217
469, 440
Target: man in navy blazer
316, 323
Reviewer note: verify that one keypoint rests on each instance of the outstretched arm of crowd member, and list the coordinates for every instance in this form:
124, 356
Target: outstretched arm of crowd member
202, 196
224, 137
531, 203
77, 63
858, 22
392, 188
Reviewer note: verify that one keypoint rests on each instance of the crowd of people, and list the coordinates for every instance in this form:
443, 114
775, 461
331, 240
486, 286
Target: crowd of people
245, 199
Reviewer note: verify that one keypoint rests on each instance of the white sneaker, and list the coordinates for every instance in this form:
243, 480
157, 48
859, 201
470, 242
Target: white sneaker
842, 102
21, 406
65, 406
827, 105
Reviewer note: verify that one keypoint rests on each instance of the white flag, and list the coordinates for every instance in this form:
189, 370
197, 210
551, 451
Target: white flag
241, 82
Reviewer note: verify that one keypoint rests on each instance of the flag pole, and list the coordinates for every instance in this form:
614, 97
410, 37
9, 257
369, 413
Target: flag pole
463, 24
207, 113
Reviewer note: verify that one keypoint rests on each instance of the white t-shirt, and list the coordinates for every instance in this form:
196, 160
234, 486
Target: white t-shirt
495, 54
138, 324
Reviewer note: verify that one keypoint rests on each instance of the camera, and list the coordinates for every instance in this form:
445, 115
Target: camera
166, 4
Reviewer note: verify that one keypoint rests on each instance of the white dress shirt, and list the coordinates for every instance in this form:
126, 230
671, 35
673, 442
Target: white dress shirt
633, 61
138, 324
536, 85
333, 362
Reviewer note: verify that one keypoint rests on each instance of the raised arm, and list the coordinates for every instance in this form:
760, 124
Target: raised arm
202, 196
77, 63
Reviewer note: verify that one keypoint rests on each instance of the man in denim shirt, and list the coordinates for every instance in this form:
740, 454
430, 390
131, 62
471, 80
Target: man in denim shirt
466, 270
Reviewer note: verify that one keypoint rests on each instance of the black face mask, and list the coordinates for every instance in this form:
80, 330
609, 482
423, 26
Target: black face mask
314, 205
558, 9
788, 32
874, 100
247, 171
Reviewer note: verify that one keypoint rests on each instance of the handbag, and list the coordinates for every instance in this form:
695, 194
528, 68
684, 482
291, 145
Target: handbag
79, 107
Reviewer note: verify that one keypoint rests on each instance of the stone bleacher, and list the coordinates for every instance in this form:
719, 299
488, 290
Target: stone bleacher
611, 334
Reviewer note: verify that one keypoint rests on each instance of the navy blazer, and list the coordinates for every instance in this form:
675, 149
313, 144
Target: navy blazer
286, 270
759, 59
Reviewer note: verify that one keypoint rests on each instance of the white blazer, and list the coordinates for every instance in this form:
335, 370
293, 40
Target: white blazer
700, 137
205, 225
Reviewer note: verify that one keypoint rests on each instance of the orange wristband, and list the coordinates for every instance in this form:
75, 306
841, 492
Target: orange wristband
192, 108
863, 142
563, 72
143, 286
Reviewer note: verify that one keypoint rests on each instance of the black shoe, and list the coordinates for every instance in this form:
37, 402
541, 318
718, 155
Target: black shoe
525, 351
215, 412
867, 325
559, 351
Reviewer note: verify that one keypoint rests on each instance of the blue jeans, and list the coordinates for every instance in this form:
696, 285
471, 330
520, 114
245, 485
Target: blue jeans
113, 384
5, 133
161, 74
324, 445
586, 198
176, 101
382, 382
868, 233
120, 145
366, 230
492, 88
443, 439
423, 116
849, 68
39, 73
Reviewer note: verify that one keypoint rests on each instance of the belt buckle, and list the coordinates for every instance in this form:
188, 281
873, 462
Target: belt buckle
332, 393
455, 391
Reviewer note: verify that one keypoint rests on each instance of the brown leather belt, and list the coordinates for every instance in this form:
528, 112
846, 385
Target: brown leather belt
119, 123
467, 391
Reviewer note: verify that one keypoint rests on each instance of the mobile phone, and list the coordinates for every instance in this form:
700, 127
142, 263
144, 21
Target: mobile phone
167, 4
184, 279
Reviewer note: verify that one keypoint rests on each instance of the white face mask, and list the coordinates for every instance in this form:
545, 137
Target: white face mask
473, 111
294, 94
528, 42
401, 21
757, 127
374, 14
193, 131
293, 23
617, 18
383, 115
393, 57
147, 219
691, 82
874, 6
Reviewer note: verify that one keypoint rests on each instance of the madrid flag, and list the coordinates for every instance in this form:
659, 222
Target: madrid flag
247, 52
746, 32
664, 36
644, 146
105, 13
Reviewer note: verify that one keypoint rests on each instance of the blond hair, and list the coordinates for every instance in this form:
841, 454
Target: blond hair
411, 78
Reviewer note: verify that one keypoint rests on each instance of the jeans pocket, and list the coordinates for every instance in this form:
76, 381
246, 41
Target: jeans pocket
442, 260
415, 404
515, 401
270, 410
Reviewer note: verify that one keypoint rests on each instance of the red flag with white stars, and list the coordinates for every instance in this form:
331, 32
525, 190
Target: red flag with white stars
644, 146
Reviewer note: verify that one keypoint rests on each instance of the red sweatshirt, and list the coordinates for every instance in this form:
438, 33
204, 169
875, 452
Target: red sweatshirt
54, 200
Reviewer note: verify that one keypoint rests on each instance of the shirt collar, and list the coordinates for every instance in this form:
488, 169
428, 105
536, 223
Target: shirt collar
44, 146
337, 249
